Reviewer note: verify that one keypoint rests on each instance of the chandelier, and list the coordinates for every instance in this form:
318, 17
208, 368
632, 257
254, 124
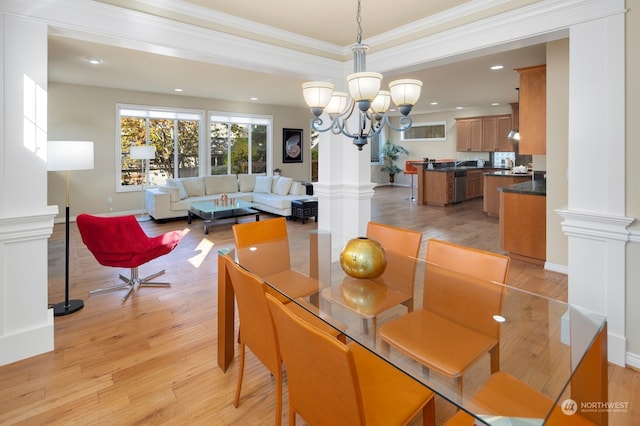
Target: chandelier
364, 88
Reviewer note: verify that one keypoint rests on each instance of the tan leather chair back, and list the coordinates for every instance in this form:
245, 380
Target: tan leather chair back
479, 263
263, 246
463, 299
402, 247
256, 327
321, 371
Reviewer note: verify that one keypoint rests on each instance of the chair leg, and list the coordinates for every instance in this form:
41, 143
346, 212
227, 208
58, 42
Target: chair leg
429, 413
279, 399
236, 399
130, 283
292, 416
494, 354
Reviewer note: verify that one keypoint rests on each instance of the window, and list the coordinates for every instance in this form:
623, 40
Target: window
436, 131
236, 144
240, 144
176, 135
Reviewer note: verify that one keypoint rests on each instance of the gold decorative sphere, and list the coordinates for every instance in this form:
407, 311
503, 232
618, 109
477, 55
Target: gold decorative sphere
363, 258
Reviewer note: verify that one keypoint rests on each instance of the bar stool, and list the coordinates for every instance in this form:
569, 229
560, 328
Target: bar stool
410, 169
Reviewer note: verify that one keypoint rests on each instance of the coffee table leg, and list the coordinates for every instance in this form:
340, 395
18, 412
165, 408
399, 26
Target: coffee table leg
206, 226
189, 217
257, 217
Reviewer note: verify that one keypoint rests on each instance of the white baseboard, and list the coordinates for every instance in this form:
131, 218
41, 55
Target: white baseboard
633, 360
562, 269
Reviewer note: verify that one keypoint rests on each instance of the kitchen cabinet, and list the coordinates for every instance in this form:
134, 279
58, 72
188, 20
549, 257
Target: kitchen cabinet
469, 134
533, 110
474, 184
439, 188
484, 134
491, 196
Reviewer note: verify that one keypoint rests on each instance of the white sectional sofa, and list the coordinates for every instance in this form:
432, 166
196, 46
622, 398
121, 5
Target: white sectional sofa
272, 194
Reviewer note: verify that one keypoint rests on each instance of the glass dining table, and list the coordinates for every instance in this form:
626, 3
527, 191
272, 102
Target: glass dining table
551, 359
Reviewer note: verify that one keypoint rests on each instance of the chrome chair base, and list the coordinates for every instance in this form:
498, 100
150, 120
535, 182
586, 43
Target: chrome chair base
133, 282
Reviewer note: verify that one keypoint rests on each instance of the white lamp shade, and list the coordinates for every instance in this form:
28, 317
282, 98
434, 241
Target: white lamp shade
364, 86
69, 155
337, 104
145, 152
405, 92
382, 102
317, 94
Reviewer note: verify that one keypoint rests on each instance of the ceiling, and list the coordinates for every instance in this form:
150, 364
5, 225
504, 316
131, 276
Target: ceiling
467, 83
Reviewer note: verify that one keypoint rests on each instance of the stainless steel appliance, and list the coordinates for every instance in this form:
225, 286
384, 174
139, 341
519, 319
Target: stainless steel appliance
459, 186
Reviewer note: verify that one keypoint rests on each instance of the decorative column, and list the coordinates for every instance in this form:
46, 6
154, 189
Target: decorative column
344, 188
595, 221
26, 322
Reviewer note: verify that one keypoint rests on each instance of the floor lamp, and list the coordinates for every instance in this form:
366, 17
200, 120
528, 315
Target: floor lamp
67, 156
145, 152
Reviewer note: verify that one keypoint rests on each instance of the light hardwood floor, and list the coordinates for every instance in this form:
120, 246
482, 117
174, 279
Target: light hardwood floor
152, 360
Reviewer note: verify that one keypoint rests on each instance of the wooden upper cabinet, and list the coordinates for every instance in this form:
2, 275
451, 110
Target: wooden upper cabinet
504, 127
484, 134
469, 134
533, 110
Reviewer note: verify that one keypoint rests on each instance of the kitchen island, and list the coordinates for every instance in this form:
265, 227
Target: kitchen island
496, 179
523, 220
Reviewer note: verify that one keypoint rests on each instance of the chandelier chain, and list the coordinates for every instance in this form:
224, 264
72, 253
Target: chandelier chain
359, 21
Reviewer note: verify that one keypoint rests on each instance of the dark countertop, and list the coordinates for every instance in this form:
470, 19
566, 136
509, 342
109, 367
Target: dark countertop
506, 173
531, 187
463, 168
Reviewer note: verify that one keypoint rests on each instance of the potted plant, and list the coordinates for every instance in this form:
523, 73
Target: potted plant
389, 153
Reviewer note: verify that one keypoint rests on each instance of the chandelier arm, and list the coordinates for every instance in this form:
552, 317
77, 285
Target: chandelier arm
405, 123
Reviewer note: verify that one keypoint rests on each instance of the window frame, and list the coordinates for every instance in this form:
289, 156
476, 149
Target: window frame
149, 112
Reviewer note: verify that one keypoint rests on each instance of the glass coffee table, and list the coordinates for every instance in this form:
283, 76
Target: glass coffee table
209, 211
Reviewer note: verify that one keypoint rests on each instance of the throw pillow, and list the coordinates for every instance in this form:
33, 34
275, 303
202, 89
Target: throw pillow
295, 188
263, 184
194, 186
181, 189
274, 183
247, 182
283, 185
174, 194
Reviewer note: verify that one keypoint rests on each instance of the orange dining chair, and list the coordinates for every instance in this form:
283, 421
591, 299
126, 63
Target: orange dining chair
394, 287
263, 248
455, 326
120, 242
256, 330
332, 383
410, 169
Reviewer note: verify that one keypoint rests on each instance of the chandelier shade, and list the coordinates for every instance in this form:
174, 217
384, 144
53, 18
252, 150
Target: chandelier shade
405, 91
382, 102
317, 94
364, 86
364, 90
337, 104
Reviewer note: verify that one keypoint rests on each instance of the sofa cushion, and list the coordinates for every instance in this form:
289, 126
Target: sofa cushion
194, 186
181, 189
283, 185
247, 183
263, 184
220, 184
278, 202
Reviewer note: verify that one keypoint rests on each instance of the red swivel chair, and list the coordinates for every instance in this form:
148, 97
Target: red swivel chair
120, 242
410, 169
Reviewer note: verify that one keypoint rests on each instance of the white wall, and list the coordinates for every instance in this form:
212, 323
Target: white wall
88, 113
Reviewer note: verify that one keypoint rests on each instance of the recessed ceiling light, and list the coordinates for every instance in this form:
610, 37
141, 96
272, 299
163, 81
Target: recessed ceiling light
434, 103
458, 107
178, 90
253, 98
495, 104
95, 61
497, 67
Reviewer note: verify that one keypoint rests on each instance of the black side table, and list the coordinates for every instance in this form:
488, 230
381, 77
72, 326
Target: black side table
304, 209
